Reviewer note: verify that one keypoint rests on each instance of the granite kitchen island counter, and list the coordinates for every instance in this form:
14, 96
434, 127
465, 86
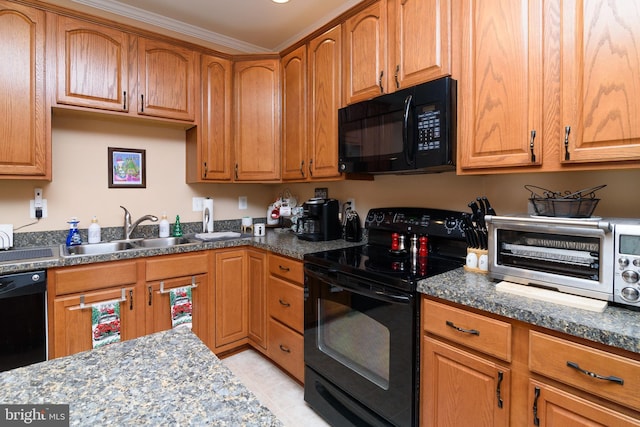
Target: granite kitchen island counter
167, 378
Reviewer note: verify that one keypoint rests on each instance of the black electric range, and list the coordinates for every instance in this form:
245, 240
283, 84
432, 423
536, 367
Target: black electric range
376, 261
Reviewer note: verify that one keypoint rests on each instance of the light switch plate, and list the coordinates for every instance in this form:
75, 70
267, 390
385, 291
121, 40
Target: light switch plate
242, 202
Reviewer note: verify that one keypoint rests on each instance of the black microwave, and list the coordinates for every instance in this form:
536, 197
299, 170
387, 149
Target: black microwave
412, 130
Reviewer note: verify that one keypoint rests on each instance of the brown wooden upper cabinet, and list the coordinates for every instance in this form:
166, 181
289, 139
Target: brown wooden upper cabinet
547, 89
294, 115
216, 142
108, 69
394, 44
257, 120
25, 148
324, 79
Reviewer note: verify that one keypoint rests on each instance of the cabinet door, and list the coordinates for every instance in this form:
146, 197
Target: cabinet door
500, 87
257, 286
552, 407
294, 115
72, 333
600, 75
217, 78
93, 65
25, 147
460, 389
231, 301
257, 120
167, 76
365, 58
324, 81
419, 41
158, 304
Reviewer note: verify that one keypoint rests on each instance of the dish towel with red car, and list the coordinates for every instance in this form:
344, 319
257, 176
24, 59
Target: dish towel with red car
105, 323
181, 305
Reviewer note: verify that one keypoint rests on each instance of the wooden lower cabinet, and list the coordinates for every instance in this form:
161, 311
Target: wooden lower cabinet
231, 299
285, 306
553, 407
466, 370
463, 389
257, 286
144, 308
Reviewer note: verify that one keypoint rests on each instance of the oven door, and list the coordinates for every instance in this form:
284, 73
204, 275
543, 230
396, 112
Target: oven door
360, 349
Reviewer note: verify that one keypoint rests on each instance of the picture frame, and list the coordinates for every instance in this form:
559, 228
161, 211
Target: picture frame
127, 168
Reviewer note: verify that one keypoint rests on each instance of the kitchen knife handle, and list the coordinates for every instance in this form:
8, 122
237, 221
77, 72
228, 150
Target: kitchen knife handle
611, 378
463, 330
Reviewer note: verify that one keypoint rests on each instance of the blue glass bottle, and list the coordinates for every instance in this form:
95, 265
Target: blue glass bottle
73, 238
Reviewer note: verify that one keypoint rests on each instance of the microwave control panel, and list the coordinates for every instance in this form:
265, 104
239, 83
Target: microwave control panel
429, 127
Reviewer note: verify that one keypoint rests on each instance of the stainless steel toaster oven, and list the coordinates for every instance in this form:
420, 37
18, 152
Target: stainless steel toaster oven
591, 257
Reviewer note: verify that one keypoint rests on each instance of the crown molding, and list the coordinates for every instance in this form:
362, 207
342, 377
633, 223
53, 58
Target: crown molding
172, 25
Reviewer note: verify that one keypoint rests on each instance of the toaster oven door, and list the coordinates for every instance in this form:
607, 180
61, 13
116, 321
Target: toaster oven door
573, 256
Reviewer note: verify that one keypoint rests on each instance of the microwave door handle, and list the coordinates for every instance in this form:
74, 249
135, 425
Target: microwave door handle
408, 152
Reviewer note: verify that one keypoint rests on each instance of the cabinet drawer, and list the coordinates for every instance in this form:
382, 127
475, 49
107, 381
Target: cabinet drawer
481, 333
552, 357
286, 303
168, 266
286, 348
287, 268
96, 276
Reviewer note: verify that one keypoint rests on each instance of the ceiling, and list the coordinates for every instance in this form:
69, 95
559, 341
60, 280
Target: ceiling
235, 26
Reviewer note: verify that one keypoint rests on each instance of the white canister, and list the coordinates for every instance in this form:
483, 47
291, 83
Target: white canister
258, 229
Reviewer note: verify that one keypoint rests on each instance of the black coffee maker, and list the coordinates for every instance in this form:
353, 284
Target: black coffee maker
319, 221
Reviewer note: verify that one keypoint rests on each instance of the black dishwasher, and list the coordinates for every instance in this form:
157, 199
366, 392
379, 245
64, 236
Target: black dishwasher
23, 319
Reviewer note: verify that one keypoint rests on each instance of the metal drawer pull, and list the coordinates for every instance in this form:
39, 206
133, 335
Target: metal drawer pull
536, 392
131, 299
466, 331
285, 349
594, 375
193, 285
284, 303
123, 298
500, 378
283, 268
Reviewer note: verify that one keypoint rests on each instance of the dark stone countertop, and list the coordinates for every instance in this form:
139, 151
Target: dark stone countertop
281, 242
616, 326
167, 378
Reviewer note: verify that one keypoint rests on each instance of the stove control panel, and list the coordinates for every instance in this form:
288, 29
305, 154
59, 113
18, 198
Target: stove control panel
422, 221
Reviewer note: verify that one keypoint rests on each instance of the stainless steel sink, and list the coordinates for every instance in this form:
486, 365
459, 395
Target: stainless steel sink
124, 245
96, 248
163, 242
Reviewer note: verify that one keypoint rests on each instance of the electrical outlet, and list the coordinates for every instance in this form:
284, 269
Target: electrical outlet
197, 204
242, 202
43, 207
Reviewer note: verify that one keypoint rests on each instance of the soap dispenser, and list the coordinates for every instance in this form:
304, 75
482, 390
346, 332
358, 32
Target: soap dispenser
164, 226
73, 238
94, 231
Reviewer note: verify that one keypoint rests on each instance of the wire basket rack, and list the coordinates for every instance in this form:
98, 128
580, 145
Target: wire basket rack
567, 204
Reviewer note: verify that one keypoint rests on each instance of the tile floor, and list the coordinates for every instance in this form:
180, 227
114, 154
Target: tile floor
277, 391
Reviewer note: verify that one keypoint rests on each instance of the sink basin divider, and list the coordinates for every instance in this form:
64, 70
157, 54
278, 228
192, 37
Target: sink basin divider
193, 285
123, 298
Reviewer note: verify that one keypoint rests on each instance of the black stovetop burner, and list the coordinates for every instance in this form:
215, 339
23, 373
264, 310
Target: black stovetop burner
376, 262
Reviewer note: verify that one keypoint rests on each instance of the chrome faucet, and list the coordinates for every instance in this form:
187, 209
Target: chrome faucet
129, 227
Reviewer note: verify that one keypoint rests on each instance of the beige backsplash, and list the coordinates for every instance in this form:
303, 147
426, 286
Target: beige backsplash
79, 186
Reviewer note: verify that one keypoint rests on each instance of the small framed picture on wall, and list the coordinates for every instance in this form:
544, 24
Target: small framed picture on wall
127, 168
